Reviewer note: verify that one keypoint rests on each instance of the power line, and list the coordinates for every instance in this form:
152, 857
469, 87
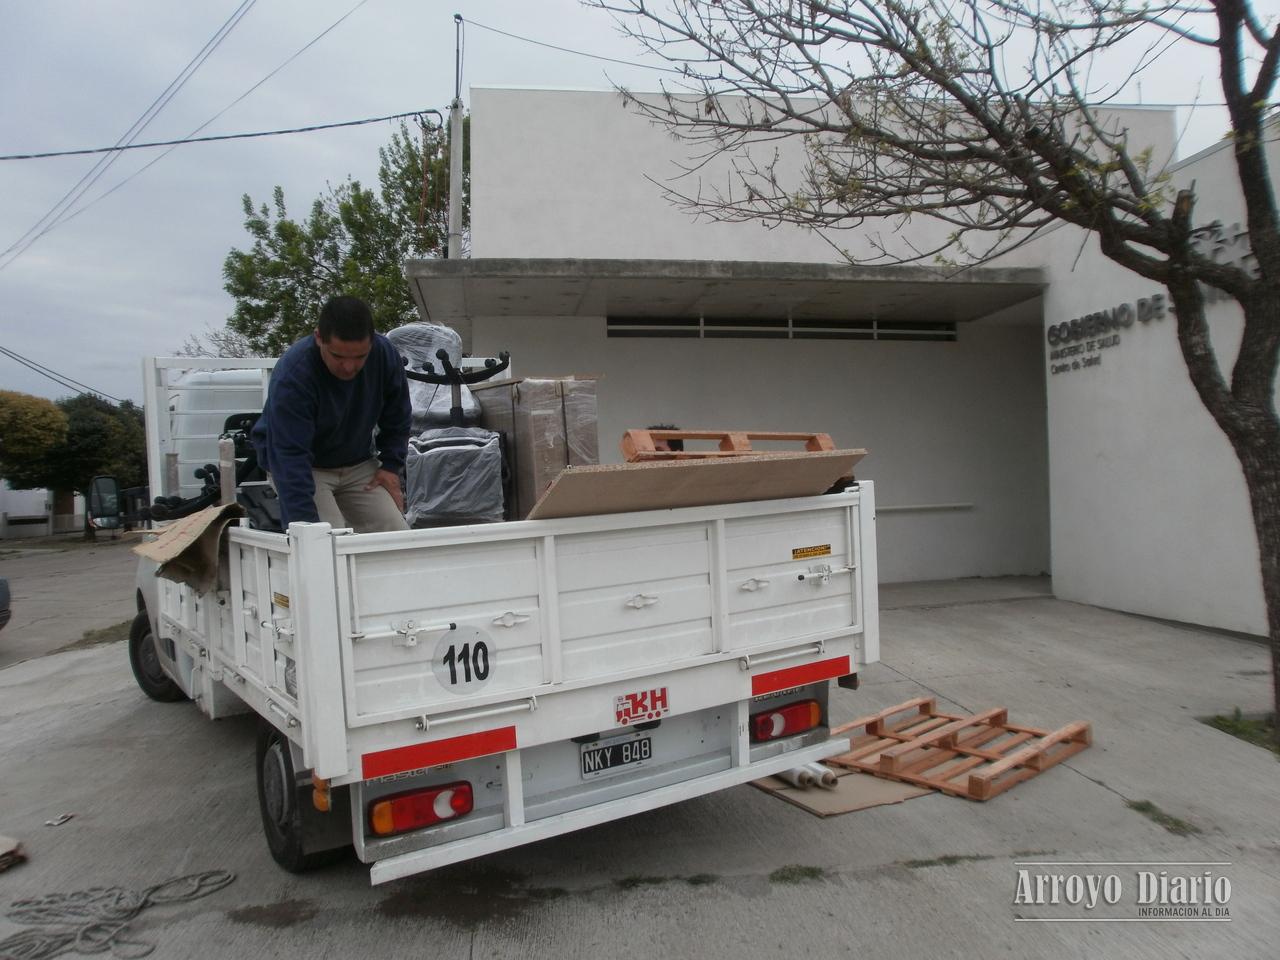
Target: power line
151, 163
59, 378
649, 66
55, 214
210, 139
580, 53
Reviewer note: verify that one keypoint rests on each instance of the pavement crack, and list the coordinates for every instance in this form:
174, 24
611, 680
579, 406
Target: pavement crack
937, 693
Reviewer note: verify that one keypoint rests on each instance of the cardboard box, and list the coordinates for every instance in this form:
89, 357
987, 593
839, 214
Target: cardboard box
549, 424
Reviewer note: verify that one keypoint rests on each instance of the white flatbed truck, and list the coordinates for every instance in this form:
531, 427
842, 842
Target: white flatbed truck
435, 695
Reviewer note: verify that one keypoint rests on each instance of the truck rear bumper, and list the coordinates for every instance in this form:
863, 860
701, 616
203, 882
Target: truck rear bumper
407, 864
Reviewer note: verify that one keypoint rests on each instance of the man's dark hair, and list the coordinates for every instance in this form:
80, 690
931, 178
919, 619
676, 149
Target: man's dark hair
347, 318
675, 443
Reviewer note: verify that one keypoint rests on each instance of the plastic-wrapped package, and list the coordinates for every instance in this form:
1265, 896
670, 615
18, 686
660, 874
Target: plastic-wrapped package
549, 423
454, 476
418, 343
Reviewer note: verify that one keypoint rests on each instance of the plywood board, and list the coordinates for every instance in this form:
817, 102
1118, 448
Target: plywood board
623, 487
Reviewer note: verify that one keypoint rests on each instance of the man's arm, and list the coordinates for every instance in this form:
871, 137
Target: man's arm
292, 428
394, 425
396, 420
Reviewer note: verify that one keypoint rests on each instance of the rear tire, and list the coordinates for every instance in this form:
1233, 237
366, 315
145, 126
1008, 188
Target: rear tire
280, 800
145, 660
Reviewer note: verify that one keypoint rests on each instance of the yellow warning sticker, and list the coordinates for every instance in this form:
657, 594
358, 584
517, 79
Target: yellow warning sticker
280, 600
808, 553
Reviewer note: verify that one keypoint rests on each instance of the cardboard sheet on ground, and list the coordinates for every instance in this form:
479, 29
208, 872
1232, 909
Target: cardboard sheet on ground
187, 551
623, 487
854, 791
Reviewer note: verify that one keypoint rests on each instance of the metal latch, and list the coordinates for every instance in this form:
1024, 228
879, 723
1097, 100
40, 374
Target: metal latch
409, 633
821, 573
281, 628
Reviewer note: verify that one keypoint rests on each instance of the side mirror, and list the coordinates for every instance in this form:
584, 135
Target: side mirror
104, 503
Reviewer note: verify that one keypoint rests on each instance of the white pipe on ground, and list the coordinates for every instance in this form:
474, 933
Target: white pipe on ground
823, 776
798, 777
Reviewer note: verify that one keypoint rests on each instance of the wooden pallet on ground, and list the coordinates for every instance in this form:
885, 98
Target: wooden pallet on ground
976, 757
639, 445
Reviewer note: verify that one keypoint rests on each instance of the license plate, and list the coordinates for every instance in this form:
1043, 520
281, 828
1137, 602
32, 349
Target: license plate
604, 757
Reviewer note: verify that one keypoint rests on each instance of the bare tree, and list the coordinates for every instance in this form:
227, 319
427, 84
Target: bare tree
988, 116
217, 342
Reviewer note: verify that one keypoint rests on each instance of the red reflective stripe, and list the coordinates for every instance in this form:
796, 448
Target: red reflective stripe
798, 676
432, 754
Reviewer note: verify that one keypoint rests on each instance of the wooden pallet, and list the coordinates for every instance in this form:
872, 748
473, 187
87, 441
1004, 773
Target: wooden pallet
638, 445
975, 757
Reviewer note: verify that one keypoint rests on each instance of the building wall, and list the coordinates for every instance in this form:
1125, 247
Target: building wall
565, 173
19, 510
1124, 472
1149, 511
945, 423
957, 429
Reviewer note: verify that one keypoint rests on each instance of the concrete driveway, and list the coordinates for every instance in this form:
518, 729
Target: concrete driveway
157, 791
62, 587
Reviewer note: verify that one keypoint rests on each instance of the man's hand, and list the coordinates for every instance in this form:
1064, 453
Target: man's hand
391, 481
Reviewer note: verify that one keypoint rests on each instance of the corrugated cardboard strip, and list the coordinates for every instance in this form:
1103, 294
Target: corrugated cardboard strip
188, 549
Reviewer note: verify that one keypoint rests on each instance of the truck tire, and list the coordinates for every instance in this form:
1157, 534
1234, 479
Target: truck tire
285, 808
145, 660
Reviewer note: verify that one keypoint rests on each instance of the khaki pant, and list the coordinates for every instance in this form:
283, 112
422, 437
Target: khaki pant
343, 501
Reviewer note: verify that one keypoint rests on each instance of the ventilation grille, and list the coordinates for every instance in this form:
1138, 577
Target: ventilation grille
755, 328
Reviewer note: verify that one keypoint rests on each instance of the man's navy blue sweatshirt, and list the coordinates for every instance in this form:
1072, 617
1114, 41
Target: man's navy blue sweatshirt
313, 419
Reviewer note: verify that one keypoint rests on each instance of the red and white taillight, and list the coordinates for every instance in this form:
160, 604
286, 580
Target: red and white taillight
415, 809
785, 721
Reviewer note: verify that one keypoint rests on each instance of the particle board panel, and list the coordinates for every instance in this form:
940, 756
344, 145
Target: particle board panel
623, 487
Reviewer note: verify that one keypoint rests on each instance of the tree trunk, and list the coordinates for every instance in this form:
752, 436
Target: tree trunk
1245, 412
1260, 460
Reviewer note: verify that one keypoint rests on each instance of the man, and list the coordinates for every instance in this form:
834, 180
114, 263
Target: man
315, 437
663, 445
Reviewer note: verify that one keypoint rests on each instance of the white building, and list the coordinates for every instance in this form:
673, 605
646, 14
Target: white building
1109, 475
37, 513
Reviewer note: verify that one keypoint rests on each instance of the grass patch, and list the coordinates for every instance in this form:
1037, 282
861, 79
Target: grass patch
1175, 825
96, 638
632, 883
1260, 731
946, 860
796, 873
701, 879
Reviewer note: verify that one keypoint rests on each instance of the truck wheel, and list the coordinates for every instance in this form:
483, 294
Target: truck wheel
145, 660
281, 800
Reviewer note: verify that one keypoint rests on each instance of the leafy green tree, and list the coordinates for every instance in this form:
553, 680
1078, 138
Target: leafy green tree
99, 439
29, 428
353, 241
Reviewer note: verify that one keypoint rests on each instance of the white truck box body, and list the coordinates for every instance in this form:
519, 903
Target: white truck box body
482, 652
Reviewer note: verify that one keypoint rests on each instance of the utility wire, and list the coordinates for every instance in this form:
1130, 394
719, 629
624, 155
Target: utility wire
151, 163
210, 139
672, 69
58, 381
580, 53
54, 215
53, 375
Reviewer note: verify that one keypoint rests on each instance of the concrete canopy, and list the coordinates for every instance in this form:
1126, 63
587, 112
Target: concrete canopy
454, 291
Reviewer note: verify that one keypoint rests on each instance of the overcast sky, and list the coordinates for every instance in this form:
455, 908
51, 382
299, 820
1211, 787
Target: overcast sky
139, 271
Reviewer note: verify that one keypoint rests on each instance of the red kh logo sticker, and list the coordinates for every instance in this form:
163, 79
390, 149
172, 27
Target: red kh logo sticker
641, 706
